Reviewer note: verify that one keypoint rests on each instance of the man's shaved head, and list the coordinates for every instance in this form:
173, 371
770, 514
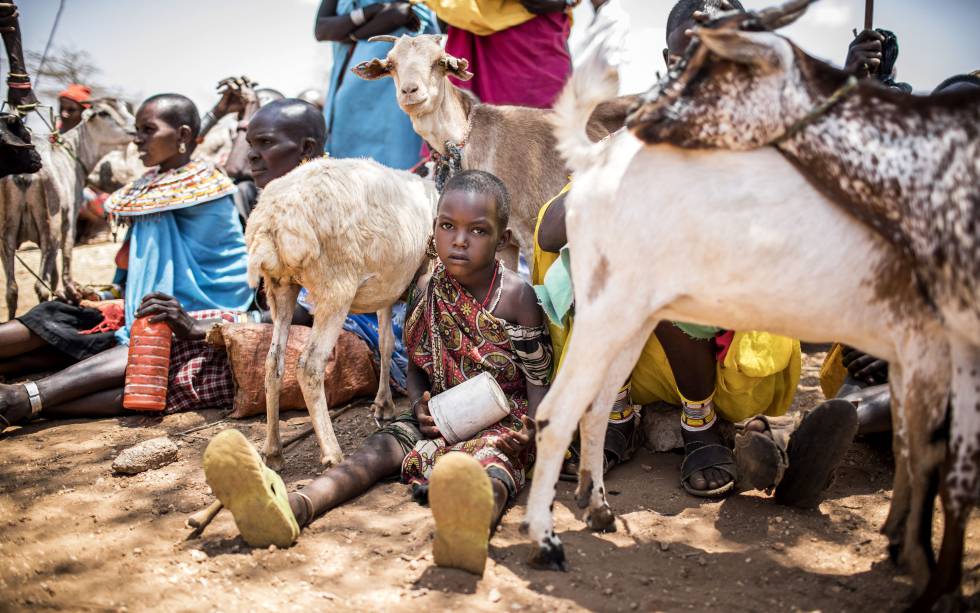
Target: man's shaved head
298, 118
281, 135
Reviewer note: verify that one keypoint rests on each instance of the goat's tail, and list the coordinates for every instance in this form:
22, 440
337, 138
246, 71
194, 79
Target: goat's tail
279, 249
594, 81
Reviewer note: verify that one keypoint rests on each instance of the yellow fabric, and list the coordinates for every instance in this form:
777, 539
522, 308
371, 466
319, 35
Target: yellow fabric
832, 372
541, 261
758, 377
481, 17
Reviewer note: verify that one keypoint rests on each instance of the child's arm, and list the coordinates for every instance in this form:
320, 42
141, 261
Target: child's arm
418, 393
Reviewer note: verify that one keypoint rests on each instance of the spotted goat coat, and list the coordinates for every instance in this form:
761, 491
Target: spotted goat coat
906, 166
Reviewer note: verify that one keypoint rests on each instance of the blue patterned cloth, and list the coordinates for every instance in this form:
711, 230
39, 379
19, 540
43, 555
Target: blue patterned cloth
196, 254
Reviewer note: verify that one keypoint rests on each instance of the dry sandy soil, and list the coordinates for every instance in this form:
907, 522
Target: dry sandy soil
74, 536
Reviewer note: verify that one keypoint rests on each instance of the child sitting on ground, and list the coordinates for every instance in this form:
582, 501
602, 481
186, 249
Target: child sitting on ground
470, 316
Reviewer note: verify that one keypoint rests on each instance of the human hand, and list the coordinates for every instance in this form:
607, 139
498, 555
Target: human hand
514, 442
863, 367
233, 96
864, 54
408, 17
161, 307
427, 425
541, 7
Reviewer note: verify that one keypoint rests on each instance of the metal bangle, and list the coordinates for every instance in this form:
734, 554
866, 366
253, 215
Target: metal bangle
357, 17
34, 395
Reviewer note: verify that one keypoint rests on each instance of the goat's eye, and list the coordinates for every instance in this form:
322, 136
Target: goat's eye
102, 114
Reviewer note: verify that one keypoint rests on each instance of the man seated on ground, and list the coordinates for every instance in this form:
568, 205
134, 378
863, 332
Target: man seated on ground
470, 316
282, 135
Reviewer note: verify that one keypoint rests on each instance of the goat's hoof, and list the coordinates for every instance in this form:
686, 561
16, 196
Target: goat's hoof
601, 519
549, 556
275, 461
330, 461
383, 414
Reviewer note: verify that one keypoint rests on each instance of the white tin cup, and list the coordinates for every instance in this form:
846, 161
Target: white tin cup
462, 411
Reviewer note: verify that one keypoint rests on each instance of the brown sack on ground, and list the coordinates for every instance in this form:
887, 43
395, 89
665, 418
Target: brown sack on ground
351, 376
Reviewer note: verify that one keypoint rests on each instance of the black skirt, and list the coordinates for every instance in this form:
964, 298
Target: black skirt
58, 324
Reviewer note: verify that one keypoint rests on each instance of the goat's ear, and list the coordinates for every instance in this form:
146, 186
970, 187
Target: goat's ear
372, 69
456, 66
763, 50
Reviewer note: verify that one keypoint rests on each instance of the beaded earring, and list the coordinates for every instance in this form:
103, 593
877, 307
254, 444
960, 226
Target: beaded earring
430, 248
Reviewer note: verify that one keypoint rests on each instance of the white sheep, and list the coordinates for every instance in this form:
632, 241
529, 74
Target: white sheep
734, 239
353, 233
43, 207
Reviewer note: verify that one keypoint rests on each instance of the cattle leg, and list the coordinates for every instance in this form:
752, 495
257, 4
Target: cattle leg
67, 244
592, 436
9, 271
282, 299
944, 584
47, 271
310, 370
383, 406
595, 343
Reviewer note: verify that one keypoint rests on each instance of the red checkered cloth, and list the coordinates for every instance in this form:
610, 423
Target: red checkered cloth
200, 375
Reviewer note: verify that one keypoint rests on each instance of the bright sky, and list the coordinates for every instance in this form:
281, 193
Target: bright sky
186, 46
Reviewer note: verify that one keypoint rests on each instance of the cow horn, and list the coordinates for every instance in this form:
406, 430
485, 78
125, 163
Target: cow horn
776, 17
383, 38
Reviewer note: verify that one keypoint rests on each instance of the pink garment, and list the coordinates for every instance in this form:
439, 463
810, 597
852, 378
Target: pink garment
526, 65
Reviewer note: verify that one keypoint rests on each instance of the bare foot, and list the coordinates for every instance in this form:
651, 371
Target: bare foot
15, 405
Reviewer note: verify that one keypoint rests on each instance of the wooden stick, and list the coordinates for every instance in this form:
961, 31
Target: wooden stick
869, 13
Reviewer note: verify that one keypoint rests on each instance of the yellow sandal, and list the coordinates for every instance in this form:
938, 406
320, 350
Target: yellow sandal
461, 499
254, 493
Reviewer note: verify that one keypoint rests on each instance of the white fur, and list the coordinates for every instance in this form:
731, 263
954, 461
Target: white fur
43, 207
353, 233
735, 239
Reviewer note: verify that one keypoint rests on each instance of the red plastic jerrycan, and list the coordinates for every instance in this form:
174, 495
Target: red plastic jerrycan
148, 366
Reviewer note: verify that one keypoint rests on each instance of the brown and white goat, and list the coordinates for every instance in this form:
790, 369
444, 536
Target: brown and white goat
43, 207
515, 143
756, 247
907, 166
353, 233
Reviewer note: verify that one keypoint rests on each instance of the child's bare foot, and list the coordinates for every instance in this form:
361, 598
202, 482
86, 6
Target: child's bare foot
15, 405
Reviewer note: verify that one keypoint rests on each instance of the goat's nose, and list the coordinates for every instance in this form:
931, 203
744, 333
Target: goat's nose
410, 89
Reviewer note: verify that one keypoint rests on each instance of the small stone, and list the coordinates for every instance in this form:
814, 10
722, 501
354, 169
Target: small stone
137, 550
494, 595
272, 548
634, 605
702, 561
664, 545
748, 560
549, 588
607, 591
646, 467
779, 546
144, 456
198, 556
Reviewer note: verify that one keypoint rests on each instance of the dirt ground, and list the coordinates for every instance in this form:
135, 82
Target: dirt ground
74, 536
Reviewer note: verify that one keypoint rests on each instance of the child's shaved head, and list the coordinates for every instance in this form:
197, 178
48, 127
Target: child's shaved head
482, 182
